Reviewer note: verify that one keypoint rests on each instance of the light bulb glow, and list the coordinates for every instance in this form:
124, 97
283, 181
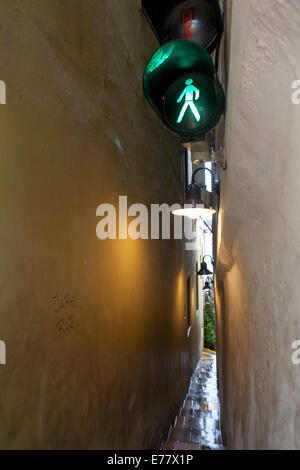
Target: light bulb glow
194, 212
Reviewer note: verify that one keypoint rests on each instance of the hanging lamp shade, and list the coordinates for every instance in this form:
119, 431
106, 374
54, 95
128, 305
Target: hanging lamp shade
204, 271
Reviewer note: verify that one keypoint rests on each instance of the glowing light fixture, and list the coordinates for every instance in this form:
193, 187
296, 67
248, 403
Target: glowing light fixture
194, 212
194, 206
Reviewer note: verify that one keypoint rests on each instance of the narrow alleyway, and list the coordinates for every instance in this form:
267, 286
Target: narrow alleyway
197, 426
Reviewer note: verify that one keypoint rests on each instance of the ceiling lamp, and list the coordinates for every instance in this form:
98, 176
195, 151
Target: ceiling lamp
204, 271
194, 206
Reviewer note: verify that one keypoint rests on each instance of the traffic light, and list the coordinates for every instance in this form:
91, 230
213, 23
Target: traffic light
200, 21
182, 86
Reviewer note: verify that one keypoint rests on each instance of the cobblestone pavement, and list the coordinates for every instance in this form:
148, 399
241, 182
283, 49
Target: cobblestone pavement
197, 426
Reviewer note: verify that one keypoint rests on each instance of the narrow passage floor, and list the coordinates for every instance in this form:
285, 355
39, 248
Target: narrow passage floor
198, 425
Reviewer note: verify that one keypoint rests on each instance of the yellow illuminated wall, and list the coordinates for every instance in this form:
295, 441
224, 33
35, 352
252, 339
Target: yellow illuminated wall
97, 351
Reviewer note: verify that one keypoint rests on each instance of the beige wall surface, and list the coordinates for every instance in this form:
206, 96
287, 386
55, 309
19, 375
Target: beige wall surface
97, 349
258, 295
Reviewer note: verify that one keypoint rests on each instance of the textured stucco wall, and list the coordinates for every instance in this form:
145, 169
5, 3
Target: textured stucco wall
96, 334
258, 296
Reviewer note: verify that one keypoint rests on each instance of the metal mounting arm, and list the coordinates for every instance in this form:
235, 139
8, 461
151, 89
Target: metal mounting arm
212, 260
215, 183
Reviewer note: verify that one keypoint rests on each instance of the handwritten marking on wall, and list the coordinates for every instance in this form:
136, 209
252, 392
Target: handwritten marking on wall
67, 308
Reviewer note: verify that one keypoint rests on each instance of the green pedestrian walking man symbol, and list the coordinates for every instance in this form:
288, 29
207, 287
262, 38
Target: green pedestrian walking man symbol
188, 93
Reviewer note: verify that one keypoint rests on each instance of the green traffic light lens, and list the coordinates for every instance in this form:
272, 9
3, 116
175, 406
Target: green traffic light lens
191, 105
181, 85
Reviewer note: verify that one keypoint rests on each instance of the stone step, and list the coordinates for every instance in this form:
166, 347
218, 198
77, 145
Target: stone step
214, 414
196, 436
198, 425
173, 445
209, 398
201, 405
191, 422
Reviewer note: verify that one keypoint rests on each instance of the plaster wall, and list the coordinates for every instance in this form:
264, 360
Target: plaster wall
258, 296
96, 331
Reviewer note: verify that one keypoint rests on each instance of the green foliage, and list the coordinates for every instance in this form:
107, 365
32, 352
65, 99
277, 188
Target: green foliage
209, 325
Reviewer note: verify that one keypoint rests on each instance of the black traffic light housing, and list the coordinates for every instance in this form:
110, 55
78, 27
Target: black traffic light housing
197, 20
180, 81
181, 84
